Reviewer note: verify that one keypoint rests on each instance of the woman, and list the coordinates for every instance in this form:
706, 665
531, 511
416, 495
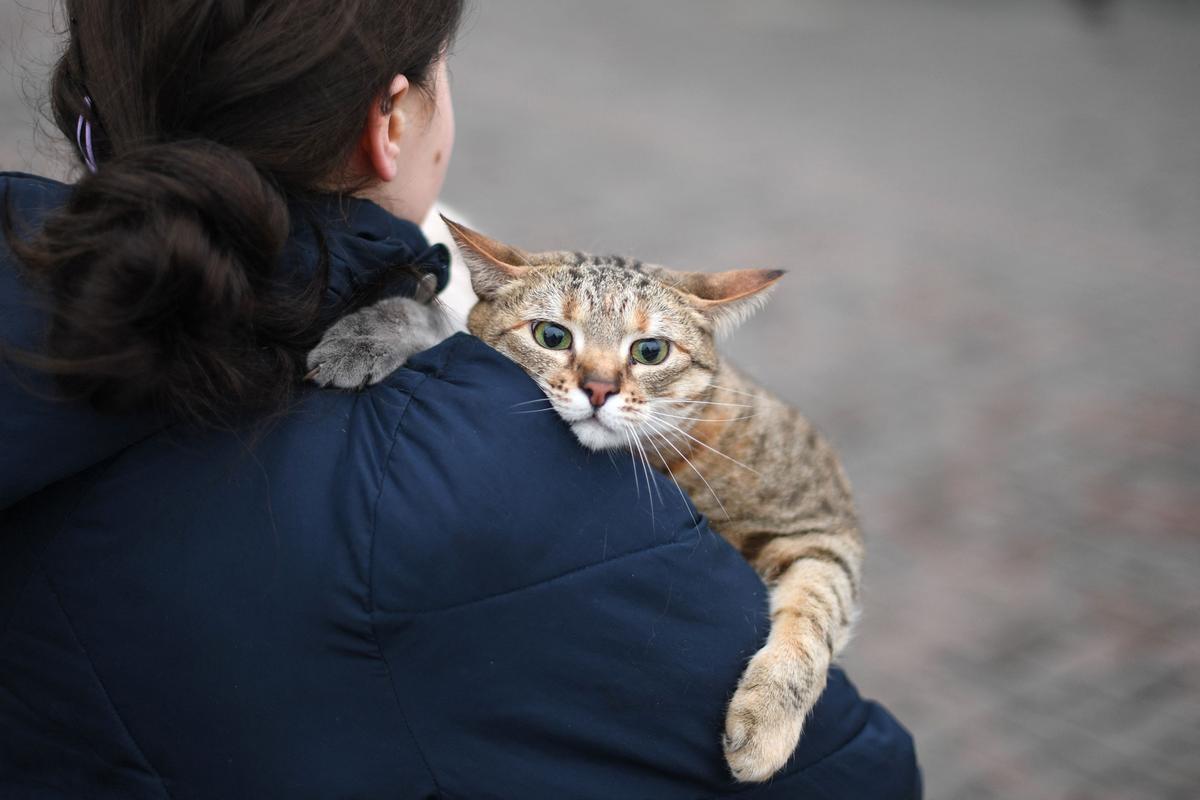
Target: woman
215, 583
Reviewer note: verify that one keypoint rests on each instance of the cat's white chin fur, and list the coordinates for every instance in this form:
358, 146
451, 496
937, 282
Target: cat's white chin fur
594, 435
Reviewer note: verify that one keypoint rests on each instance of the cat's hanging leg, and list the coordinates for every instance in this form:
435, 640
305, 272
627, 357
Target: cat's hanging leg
813, 579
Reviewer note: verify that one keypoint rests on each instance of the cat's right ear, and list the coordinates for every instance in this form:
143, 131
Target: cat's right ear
493, 264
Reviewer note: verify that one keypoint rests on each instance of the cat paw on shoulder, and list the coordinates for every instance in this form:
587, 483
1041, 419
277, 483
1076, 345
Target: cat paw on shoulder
366, 346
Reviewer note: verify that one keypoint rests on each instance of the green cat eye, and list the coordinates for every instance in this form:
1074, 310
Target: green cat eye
551, 336
650, 351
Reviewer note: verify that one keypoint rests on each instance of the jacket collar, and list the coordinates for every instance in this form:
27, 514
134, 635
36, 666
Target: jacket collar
364, 242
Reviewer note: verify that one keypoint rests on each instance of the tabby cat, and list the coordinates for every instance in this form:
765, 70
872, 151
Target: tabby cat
624, 352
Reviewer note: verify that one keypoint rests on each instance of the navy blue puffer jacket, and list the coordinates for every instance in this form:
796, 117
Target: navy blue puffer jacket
409, 592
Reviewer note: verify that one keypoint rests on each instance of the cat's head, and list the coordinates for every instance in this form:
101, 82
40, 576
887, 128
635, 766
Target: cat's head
622, 349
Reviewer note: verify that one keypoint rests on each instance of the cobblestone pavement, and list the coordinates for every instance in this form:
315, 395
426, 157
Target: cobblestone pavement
990, 213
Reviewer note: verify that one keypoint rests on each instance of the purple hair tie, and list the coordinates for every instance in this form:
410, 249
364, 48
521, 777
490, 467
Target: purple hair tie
83, 137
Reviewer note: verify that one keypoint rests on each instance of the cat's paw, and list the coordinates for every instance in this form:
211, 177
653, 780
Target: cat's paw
365, 347
766, 714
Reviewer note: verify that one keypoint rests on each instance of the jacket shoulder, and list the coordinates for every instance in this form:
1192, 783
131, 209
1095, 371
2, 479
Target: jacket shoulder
492, 492
27, 193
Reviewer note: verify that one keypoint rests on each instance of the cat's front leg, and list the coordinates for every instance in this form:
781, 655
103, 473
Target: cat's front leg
774, 695
813, 580
368, 345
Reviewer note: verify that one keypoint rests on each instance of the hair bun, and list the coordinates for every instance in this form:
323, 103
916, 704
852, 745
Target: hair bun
160, 271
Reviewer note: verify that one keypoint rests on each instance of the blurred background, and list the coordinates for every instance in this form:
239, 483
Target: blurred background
990, 211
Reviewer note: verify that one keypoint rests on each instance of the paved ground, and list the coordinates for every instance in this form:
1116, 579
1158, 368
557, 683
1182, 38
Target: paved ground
990, 211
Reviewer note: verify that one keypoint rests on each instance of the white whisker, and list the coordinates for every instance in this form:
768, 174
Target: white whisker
667, 467
701, 403
732, 390
649, 484
637, 486
642, 463
693, 466
527, 402
705, 445
704, 419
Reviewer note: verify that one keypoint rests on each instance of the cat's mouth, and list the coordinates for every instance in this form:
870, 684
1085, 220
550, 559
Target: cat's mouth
596, 427
595, 434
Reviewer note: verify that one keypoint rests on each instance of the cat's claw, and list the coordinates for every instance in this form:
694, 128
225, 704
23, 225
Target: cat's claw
766, 714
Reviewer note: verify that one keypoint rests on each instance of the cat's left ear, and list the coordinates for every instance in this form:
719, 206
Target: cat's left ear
726, 298
493, 264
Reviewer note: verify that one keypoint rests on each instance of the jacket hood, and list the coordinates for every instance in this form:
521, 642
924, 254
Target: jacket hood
44, 439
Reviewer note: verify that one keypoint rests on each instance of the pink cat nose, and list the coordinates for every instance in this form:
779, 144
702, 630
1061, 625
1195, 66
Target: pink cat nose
599, 391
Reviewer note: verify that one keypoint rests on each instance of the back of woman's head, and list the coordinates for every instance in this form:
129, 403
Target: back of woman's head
203, 116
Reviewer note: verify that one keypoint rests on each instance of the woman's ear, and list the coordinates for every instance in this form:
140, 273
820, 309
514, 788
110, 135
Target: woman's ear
493, 264
384, 128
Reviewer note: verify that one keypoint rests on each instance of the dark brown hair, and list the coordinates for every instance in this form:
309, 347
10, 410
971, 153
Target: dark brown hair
206, 115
